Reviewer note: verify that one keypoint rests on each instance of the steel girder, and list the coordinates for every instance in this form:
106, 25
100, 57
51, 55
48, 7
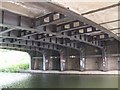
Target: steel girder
63, 37
80, 18
35, 31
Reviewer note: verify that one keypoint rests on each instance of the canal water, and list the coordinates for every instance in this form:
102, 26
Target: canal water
24, 80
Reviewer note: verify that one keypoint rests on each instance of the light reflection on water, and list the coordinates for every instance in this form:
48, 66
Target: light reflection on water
11, 78
58, 81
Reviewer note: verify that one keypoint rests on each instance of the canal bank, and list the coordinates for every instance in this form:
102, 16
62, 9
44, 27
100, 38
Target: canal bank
72, 72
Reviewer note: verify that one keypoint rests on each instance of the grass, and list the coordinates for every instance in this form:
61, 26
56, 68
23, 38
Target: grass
15, 68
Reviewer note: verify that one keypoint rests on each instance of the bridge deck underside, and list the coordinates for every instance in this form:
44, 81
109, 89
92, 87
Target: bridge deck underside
58, 31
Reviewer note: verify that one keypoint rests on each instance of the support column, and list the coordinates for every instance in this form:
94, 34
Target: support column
36, 63
104, 61
62, 61
119, 65
50, 64
82, 59
31, 65
44, 61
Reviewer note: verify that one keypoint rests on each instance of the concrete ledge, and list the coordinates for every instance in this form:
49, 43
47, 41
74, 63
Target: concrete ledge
72, 72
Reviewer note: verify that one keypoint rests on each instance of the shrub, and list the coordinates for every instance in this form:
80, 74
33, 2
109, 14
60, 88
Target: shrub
15, 68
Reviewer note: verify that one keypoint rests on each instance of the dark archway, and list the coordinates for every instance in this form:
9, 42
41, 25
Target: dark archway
54, 60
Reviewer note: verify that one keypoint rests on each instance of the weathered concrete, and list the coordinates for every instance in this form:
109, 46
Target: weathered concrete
113, 63
91, 64
73, 64
70, 60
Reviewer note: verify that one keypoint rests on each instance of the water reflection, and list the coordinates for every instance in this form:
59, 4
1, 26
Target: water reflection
11, 78
63, 81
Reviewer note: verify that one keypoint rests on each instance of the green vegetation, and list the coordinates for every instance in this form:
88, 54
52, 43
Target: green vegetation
13, 61
15, 68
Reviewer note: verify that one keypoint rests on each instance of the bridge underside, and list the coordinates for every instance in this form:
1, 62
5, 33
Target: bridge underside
59, 40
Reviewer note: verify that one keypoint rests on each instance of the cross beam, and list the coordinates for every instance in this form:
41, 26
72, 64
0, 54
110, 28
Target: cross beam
74, 15
37, 41
22, 28
60, 36
8, 30
47, 32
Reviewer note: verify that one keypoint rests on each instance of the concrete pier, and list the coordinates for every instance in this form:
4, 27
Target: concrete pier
66, 60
